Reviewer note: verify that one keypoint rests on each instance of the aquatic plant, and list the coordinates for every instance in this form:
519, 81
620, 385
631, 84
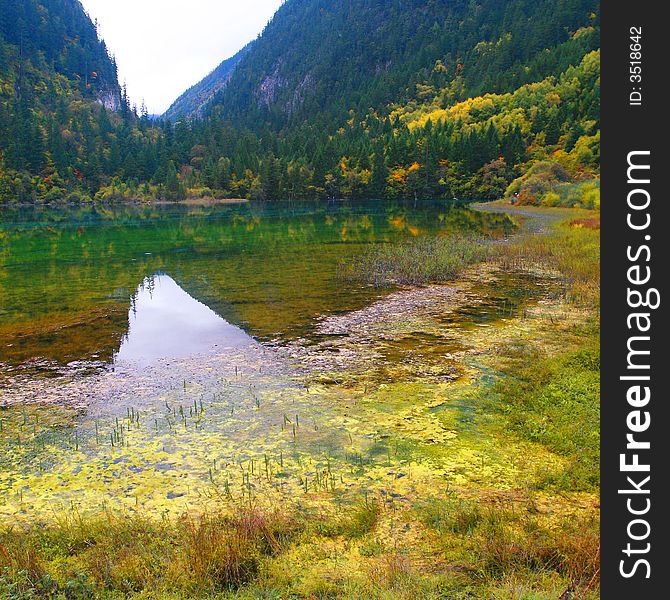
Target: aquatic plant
391, 480
420, 261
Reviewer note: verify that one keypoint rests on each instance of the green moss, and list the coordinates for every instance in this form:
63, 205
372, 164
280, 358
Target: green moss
556, 403
380, 479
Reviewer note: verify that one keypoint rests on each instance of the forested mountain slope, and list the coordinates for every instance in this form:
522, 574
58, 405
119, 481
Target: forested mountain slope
194, 100
319, 59
355, 99
56, 77
43, 39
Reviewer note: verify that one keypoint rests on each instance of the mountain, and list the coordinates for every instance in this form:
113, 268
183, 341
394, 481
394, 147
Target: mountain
355, 98
55, 75
54, 42
403, 98
194, 100
319, 59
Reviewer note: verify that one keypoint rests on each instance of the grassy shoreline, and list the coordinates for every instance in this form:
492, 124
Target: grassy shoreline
533, 541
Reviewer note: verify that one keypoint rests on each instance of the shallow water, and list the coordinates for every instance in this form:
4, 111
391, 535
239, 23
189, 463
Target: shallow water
165, 322
378, 408
68, 277
261, 375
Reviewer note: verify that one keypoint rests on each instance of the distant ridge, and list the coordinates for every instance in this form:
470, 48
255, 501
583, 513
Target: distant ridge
193, 101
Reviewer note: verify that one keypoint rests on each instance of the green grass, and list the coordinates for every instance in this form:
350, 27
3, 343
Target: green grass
266, 555
355, 523
550, 398
476, 543
117, 557
416, 262
556, 402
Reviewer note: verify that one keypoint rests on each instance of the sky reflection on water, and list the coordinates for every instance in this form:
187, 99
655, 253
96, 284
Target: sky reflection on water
166, 322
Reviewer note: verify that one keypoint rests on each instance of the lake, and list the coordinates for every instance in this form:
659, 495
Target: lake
73, 280
170, 358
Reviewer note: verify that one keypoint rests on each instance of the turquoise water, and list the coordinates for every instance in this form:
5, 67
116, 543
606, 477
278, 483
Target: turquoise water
69, 278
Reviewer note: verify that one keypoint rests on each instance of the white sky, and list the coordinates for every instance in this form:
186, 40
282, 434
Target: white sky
163, 47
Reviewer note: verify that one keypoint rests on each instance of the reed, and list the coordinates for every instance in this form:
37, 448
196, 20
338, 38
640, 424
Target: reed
420, 261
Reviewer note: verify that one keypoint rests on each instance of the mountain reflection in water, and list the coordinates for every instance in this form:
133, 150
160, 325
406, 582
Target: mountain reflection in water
66, 274
165, 322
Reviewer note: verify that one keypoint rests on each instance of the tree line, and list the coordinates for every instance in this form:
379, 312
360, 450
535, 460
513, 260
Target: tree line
68, 137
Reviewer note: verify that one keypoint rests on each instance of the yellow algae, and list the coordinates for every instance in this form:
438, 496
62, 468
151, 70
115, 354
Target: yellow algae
378, 433
267, 432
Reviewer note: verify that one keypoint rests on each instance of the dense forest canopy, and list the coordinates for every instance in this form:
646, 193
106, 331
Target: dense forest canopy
54, 37
363, 98
319, 59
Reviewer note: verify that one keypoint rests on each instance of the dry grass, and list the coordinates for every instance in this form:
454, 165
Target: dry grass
417, 262
198, 556
506, 540
226, 557
588, 223
570, 250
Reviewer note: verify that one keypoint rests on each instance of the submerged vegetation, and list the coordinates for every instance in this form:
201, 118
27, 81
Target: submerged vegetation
438, 438
472, 473
295, 246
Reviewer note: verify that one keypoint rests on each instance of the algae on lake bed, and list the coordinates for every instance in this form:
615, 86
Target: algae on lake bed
67, 277
384, 436
293, 410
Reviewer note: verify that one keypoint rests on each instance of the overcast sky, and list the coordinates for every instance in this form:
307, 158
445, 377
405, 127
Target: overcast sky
163, 47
